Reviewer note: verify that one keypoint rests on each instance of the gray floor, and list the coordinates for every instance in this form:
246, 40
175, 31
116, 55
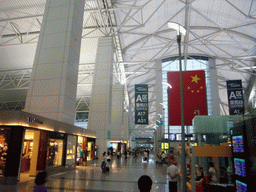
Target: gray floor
123, 176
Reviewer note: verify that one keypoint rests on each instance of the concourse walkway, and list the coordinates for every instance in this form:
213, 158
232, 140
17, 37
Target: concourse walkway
123, 176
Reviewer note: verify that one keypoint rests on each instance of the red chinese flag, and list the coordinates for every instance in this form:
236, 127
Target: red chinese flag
194, 94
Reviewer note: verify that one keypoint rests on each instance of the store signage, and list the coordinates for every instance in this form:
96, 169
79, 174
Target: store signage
159, 122
55, 135
143, 139
109, 135
34, 120
141, 104
235, 97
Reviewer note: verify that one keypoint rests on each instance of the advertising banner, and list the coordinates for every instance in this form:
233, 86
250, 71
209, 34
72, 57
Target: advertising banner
141, 104
108, 135
235, 97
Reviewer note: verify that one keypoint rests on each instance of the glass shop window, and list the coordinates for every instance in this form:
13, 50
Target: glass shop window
54, 152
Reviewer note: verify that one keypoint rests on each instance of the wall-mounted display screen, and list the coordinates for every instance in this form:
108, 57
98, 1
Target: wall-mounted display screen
193, 138
172, 137
179, 137
240, 186
203, 137
240, 168
238, 144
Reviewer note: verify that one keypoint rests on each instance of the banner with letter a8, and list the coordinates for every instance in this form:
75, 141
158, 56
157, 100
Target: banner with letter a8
141, 104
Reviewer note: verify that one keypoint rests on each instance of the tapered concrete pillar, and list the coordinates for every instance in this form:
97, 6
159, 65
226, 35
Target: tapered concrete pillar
126, 126
117, 112
214, 88
100, 104
53, 83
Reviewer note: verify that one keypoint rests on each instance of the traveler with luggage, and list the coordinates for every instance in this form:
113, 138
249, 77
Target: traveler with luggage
145, 156
108, 163
104, 163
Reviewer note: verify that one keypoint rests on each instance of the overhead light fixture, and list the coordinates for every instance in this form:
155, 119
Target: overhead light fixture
177, 27
164, 83
165, 106
160, 115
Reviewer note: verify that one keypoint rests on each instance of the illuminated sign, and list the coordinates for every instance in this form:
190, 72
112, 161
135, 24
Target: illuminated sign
34, 120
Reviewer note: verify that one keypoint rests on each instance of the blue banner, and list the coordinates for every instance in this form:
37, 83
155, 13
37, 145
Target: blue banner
235, 97
141, 104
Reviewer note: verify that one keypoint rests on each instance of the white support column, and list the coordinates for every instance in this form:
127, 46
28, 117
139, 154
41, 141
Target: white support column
100, 104
53, 83
117, 127
214, 87
125, 126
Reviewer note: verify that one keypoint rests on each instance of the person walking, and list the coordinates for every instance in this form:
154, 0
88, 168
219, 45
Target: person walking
173, 174
104, 162
41, 179
118, 154
212, 173
145, 156
81, 152
108, 163
163, 157
199, 173
125, 154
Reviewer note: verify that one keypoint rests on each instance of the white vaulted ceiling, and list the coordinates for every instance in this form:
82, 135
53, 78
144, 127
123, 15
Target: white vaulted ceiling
221, 29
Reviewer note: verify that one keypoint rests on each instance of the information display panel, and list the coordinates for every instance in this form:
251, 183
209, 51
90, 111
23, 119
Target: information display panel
238, 144
240, 186
179, 137
240, 168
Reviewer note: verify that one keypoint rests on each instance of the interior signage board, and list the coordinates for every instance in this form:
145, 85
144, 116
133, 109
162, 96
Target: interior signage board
108, 135
235, 97
141, 104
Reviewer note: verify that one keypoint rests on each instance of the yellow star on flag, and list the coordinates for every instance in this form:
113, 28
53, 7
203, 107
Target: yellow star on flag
195, 79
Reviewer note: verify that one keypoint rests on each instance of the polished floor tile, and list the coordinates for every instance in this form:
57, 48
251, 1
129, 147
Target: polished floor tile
123, 176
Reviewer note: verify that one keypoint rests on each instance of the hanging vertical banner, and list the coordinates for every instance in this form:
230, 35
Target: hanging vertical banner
108, 135
141, 104
194, 96
235, 97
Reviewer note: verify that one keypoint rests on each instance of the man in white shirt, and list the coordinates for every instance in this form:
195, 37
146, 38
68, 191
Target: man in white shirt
173, 174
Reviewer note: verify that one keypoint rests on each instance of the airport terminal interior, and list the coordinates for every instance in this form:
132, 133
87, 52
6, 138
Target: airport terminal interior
97, 93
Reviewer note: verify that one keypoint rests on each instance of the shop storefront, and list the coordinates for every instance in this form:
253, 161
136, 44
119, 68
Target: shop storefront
71, 150
10, 152
55, 145
4, 142
30, 144
118, 146
81, 150
90, 149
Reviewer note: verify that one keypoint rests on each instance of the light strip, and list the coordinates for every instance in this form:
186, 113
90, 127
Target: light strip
27, 125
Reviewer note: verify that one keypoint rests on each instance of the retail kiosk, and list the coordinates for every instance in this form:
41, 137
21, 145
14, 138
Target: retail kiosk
30, 143
243, 139
212, 144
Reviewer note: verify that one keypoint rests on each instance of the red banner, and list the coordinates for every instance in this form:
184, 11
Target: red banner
194, 94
